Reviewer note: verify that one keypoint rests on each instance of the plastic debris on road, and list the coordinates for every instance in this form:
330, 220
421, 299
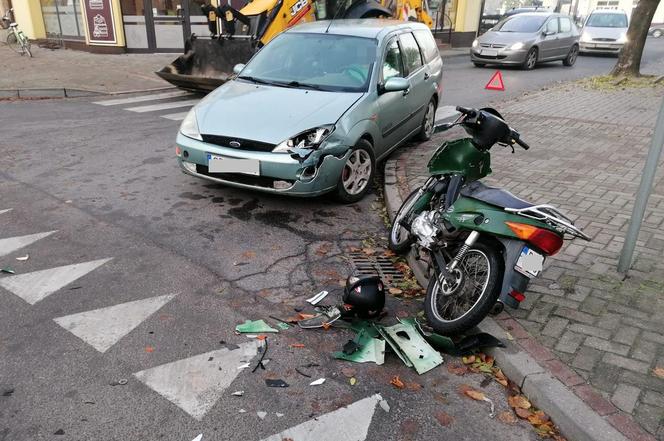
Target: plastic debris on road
238, 393
23, 258
198, 438
7, 270
369, 348
261, 414
275, 383
254, 327
317, 298
412, 345
317, 382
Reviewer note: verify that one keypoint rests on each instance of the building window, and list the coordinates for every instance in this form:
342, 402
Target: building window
63, 19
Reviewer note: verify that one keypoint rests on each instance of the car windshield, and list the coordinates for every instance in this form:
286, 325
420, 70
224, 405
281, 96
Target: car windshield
335, 63
521, 23
600, 20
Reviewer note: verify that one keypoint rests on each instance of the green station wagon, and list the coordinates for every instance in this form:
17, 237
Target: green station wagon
316, 108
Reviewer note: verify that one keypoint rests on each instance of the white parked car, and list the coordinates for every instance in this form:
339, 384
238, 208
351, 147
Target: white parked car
605, 31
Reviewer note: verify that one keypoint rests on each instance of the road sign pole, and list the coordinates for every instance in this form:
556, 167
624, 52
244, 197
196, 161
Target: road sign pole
645, 188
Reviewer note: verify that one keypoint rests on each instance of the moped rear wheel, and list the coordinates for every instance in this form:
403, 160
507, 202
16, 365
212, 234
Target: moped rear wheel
457, 304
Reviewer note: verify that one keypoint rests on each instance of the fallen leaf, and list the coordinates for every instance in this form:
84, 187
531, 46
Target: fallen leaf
475, 394
519, 401
457, 369
389, 253
522, 413
324, 249
149, 349
369, 251
413, 386
396, 382
500, 377
444, 419
538, 418
297, 345
352, 381
248, 255
348, 372
507, 417
658, 371
468, 360
395, 291
326, 326
462, 388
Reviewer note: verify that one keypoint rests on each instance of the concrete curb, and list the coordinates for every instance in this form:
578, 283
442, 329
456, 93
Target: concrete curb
576, 419
66, 92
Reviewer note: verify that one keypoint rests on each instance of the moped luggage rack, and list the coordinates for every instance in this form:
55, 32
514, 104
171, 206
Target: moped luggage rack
550, 214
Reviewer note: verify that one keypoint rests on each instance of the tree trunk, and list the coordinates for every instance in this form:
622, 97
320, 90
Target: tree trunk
629, 60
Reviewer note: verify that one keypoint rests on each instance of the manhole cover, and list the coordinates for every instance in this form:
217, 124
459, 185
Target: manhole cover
371, 265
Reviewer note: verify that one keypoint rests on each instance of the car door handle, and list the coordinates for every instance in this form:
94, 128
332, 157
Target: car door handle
427, 75
406, 92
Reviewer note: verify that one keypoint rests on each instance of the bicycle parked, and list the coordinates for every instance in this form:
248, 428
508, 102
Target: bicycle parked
16, 39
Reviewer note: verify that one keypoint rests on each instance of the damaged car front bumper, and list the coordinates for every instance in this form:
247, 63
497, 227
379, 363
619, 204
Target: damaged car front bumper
309, 172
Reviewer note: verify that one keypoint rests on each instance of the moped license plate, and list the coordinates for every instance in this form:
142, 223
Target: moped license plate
225, 164
530, 263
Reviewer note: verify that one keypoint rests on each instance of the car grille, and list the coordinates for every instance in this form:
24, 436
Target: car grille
604, 39
491, 57
245, 144
255, 181
493, 45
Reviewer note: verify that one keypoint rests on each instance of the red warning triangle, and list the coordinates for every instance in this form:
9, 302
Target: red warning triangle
496, 82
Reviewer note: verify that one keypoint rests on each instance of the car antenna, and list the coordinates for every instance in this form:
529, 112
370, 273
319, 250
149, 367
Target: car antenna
333, 17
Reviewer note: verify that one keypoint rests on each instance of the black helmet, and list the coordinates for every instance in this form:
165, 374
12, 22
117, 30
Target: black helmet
365, 294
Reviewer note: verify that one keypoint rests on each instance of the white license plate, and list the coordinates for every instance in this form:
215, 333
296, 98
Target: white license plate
530, 263
490, 52
224, 164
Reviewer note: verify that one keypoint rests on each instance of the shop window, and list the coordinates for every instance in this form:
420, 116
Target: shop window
132, 7
62, 18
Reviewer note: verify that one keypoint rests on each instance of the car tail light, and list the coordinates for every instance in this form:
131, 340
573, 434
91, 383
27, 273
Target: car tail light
546, 240
516, 295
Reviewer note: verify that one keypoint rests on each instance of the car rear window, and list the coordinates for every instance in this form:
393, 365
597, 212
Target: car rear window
427, 44
411, 52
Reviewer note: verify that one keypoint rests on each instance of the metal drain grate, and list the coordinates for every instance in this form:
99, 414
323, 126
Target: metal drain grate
371, 265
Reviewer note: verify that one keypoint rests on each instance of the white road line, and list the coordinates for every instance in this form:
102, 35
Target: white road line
35, 286
103, 327
175, 116
11, 244
6, 210
162, 106
195, 384
349, 423
139, 99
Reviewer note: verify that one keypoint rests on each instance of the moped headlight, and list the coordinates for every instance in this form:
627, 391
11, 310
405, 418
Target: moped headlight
309, 139
189, 126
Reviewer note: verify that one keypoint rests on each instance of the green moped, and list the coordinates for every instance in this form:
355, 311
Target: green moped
484, 243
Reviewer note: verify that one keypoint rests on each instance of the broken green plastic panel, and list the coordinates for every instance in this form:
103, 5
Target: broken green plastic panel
254, 327
394, 346
437, 341
371, 349
283, 326
413, 346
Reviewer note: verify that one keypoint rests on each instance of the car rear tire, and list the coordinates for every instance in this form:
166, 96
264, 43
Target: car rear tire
426, 129
357, 174
479, 64
531, 59
570, 59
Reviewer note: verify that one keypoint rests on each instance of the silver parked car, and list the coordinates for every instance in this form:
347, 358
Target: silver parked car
527, 39
316, 109
605, 31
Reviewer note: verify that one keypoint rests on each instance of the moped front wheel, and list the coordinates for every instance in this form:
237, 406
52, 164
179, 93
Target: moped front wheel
400, 238
458, 303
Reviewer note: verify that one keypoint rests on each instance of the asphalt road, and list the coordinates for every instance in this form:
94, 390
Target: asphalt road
137, 272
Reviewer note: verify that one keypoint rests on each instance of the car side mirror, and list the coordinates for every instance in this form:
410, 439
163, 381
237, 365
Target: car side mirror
238, 68
396, 84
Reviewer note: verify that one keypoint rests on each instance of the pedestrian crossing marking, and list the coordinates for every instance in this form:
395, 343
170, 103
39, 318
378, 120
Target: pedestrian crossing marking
6, 210
162, 106
11, 244
35, 286
175, 116
356, 420
142, 98
195, 384
102, 328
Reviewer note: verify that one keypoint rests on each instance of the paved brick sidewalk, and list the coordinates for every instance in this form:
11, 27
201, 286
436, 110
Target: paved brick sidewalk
601, 335
64, 68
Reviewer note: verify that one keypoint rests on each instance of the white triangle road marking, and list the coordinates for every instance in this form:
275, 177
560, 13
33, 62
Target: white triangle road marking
195, 384
35, 286
350, 423
162, 106
142, 98
5, 210
11, 244
103, 327
175, 116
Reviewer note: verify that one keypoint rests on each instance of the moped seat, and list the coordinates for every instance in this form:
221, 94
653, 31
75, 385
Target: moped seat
494, 196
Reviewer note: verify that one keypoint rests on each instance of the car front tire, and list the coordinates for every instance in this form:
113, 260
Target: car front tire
426, 129
571, 57
531, 59
357, 174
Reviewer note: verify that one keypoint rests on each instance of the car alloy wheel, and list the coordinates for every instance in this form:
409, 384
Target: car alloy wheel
531, 59
428, 122
571, 57
357, 172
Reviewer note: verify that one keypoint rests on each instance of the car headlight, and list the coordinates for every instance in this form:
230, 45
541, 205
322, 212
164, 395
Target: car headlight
517, 46
623, 38
585, 37
189, 126
309, 139
476, 43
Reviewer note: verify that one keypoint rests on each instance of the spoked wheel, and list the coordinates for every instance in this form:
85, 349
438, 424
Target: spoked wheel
457, 304
26, 49
400, 239
13, 43
357, 173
